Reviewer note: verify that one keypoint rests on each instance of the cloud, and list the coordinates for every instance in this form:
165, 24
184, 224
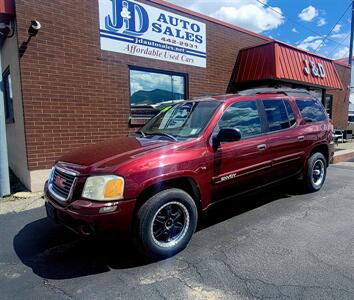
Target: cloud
339, 36
310, 43
249, 14
308, 13
140, 80
294, 30
343, 52
337, 28
321, 22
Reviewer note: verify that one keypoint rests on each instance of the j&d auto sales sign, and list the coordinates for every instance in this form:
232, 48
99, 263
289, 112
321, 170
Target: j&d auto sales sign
134, 28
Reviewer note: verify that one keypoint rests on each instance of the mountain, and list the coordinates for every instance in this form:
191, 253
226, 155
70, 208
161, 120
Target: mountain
154, 96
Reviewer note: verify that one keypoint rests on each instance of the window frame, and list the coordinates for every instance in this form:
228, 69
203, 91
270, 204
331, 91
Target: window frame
268, 131
8, 101
158, 71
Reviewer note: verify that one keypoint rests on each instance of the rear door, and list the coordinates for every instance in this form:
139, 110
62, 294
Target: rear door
244, 164
285, 139
314, 116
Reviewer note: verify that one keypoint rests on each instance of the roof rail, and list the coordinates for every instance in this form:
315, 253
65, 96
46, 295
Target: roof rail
210, 95
286, 91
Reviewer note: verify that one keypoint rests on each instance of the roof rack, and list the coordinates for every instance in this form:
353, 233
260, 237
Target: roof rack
286, 91
210, 95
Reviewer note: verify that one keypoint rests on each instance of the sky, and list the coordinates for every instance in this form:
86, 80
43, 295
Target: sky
140, 80
302, 23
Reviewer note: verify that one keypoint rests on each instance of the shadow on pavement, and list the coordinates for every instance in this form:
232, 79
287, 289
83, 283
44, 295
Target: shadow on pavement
227, 209
53, 252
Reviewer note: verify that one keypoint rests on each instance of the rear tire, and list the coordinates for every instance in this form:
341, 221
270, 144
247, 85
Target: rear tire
165, 223
316, 172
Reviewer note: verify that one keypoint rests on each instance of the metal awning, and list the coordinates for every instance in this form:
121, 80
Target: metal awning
282, 62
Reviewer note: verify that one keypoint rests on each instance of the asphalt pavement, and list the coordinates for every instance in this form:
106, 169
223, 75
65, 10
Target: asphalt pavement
279, 243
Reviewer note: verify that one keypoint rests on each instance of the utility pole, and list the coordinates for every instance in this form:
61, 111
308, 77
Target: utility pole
351, 36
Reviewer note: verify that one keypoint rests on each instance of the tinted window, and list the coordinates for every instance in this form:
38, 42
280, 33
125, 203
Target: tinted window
244, 116
311, 110
290, 112
277, 116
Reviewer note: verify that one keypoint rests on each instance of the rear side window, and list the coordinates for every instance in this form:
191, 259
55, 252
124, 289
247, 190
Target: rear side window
277, 115
244, 116
290, 112
311, 110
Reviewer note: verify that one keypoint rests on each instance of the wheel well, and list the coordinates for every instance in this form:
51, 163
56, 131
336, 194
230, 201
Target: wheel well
186, 184
322, 149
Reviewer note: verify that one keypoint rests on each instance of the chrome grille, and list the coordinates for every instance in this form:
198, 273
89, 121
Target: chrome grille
61, 183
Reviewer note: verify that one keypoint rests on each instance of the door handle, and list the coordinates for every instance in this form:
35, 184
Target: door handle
301, 138
261, 147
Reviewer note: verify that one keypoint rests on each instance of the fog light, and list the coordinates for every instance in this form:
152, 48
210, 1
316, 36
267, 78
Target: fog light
107, 209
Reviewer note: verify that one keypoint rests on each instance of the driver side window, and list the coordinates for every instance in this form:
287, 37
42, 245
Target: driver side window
244, 116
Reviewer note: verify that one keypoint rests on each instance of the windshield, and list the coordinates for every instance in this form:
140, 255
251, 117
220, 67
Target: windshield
185, 120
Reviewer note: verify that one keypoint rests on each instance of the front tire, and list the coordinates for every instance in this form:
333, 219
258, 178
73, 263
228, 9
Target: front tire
316, 172
165, 223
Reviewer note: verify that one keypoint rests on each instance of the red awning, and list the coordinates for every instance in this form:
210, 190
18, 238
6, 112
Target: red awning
278, 61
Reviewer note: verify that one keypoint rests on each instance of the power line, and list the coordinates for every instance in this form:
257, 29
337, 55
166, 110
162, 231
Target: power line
339, 44
324, 39
307, 28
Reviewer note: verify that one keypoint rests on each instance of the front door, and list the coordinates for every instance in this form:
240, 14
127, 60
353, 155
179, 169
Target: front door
245, 164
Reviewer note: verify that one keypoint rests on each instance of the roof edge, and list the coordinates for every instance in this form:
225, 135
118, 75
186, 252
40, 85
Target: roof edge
339, 63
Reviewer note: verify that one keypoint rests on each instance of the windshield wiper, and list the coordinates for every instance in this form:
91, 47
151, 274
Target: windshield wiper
163, 134
141, 133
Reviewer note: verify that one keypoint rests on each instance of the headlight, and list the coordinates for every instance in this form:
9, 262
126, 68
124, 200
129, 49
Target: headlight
104, 188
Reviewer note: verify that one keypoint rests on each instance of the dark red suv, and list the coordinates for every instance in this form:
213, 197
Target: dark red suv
154, 185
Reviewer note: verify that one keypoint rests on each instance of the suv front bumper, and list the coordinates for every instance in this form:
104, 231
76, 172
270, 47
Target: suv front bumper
85, 217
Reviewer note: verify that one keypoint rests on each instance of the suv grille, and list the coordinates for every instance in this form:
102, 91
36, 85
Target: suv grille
61, 183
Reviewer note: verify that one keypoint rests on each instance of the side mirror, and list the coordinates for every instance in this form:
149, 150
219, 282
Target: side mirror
226, 135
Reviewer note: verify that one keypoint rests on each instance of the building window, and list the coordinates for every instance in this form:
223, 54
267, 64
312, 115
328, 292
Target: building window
317, 93
328, 105
9, 111
152, 90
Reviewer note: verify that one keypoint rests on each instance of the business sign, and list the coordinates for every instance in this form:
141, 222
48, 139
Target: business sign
134, 28
315, 69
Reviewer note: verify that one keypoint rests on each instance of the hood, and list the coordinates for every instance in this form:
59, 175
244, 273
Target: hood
112, 152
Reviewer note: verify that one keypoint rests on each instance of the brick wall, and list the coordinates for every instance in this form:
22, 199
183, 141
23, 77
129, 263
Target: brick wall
75, 94
341, 98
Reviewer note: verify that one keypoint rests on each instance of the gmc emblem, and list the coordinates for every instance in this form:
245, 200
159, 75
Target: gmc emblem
59, 181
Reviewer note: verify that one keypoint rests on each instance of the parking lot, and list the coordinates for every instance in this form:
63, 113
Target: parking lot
275, 244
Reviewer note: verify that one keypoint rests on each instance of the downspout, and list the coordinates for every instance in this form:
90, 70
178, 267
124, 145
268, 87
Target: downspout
4, 162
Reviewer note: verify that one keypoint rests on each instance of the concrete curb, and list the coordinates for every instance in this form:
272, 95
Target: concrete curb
343, 155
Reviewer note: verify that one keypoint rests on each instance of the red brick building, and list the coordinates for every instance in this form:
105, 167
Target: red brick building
81, 79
